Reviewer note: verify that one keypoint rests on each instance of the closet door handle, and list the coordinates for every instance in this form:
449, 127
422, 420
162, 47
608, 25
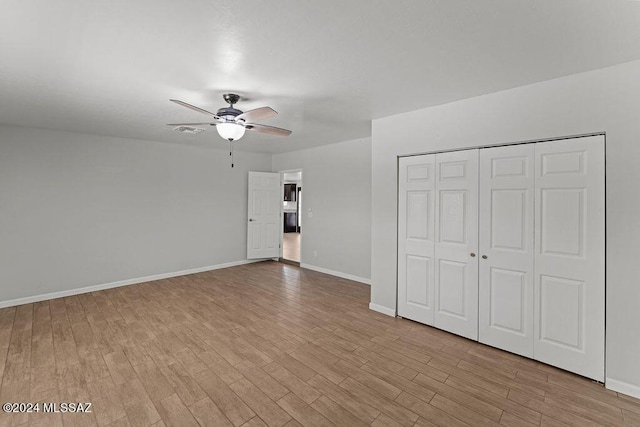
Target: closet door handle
484, 257
472, 254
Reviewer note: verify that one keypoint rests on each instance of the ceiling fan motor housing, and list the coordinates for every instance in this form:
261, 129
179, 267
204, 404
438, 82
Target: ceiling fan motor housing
228, 111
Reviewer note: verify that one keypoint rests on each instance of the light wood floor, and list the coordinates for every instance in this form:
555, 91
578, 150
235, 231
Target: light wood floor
272, 344
291, 246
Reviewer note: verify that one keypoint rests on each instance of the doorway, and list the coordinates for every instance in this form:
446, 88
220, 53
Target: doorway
291, 215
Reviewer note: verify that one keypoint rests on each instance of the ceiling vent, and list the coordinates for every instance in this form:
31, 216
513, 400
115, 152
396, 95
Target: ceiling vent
188, 129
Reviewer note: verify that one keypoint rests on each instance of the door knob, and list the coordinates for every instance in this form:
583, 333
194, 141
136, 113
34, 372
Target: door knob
472, 254
484, 257
250, 219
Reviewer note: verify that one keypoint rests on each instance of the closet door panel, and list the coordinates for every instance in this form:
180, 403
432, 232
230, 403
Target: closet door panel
506, 240
416, 210
456, 238
569, 262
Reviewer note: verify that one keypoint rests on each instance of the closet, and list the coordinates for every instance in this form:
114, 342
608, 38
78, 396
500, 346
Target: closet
506, 245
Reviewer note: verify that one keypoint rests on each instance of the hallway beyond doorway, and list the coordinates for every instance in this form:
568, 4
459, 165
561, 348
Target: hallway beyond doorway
291, 247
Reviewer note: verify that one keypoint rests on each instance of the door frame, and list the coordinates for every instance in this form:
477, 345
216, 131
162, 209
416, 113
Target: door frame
299, 184
506, 144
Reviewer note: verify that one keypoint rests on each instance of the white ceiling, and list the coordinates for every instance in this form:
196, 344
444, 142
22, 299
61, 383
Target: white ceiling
328, 67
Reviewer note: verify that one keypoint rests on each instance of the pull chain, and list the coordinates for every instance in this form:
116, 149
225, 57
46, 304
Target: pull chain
231, 151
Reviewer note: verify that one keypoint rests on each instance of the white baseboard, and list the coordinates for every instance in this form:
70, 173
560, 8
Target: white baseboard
382, 309
623, 387
84, 290
337, 274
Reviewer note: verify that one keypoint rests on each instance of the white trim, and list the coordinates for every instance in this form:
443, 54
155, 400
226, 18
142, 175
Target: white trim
84, 290
382, 309
337, 274
622, 387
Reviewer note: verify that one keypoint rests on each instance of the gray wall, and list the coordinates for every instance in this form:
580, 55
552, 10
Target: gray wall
336, 185
84, 210
603, 100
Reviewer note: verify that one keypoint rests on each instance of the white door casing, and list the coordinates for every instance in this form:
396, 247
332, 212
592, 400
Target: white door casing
416, 208
263, 216
506, 196
569, 278
456, 239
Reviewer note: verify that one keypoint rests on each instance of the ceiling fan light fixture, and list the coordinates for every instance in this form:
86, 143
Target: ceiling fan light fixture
232, 123
230, 131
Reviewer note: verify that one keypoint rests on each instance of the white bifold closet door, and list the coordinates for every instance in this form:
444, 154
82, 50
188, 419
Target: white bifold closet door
536, 212
456, 243
438, 241
569, 282
541, 281
416, 246
506, 248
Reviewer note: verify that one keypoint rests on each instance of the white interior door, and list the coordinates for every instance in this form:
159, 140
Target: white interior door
456, 243
506, 248
263, 220
416, 209
569, 262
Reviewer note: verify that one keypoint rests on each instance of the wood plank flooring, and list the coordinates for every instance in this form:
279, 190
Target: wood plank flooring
272, 344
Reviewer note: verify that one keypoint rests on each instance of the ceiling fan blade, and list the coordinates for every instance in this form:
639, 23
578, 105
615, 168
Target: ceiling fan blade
190, 124
271, 130
193, 107
257, 114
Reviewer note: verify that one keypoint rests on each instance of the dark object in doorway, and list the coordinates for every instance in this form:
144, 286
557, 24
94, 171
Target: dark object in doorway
290, 222
290, 192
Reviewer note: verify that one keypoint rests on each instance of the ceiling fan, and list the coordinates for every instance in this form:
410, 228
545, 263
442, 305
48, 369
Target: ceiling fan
232, 123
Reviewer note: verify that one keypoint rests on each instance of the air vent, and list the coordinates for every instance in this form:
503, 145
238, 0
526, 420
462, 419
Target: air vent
188, 129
